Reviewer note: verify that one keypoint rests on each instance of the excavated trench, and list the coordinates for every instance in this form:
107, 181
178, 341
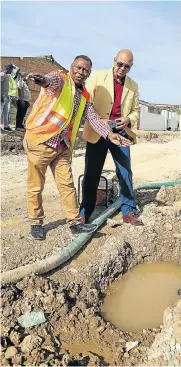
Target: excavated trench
75, 333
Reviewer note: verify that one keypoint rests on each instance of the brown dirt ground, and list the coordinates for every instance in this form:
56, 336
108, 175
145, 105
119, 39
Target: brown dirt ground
75, 333
150, 162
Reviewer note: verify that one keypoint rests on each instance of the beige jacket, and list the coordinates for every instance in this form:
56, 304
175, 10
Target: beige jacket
101, 88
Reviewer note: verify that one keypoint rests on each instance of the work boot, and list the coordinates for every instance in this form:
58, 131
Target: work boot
79, 228
37, 232
7, 128
131, 219
20, 129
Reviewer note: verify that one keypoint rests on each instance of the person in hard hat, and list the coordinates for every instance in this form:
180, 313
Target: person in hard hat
115, 97
4, 75
51, 130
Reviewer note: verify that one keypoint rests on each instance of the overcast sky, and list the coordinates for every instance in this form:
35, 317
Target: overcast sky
99, 29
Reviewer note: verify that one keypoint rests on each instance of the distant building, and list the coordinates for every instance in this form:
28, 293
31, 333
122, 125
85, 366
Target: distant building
154, 116
38, 64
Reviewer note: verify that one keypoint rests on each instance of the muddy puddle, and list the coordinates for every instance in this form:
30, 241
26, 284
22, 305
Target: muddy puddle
137, 300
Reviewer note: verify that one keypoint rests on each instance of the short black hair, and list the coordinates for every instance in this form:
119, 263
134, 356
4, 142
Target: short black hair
83, 57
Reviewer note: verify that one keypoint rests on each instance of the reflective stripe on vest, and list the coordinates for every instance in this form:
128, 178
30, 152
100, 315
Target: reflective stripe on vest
60, 112
51, 115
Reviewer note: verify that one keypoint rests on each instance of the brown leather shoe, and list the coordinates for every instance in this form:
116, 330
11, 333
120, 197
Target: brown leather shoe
131, 219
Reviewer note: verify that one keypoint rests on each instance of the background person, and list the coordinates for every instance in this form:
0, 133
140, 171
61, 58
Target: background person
23, 101
4, 75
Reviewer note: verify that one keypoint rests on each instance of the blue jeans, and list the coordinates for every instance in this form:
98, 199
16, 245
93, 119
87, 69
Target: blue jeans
5, 111
94, 162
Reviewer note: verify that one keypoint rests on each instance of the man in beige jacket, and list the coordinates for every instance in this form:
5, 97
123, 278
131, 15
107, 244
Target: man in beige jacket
115, 98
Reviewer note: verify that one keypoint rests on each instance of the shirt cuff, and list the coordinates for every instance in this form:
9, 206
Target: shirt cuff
106, 132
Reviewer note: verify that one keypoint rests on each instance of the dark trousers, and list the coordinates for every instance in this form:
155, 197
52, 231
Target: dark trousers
94, 162
21, 112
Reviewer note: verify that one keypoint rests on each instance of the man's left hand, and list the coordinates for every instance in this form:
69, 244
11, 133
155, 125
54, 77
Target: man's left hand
122, 122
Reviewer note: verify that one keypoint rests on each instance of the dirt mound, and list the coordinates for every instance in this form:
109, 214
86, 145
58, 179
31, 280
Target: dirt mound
74, 333
157, 136
168, 196
166, 348
12, 142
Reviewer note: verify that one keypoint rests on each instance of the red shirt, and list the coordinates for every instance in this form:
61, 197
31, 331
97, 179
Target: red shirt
118, 90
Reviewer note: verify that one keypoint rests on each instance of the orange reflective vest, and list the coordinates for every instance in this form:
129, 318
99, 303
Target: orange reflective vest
51, 114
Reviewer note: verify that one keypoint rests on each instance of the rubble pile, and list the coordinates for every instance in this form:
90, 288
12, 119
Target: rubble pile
71, 330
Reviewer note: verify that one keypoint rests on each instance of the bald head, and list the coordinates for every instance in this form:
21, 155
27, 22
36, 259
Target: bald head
125, 54
123, 63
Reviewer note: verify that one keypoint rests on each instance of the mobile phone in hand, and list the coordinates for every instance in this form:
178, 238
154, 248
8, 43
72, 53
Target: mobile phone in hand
112, 124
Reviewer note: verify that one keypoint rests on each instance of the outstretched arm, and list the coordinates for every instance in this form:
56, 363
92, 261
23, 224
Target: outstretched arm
52, 80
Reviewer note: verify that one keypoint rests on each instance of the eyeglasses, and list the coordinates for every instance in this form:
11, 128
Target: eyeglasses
122, 64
